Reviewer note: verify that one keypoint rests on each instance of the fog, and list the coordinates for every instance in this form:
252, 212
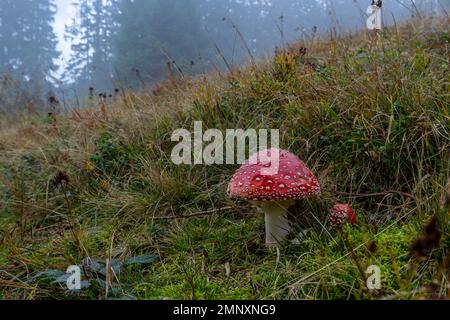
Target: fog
76, 48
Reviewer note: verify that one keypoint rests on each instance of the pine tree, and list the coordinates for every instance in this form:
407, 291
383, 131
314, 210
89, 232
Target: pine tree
27, 51
90, 34
27, 40
154, 33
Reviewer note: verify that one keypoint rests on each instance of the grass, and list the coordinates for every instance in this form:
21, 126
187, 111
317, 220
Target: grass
369, 114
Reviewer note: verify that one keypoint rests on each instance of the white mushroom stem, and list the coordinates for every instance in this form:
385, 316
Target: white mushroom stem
277, 223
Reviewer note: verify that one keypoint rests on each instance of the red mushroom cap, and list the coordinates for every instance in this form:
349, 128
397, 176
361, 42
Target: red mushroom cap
291, 181
342, 214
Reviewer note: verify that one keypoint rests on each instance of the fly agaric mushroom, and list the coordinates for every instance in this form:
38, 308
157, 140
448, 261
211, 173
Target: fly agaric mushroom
341, 214
274, 191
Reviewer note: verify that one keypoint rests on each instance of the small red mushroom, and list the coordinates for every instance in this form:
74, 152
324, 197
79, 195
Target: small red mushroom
274, 191
341, 214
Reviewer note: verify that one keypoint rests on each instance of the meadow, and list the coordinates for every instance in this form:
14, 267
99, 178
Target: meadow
367, 112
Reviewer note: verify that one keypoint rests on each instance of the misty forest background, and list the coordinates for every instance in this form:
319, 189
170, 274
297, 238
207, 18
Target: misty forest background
134, 43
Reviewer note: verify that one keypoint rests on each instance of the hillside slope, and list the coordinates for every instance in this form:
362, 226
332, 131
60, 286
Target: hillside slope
368, 114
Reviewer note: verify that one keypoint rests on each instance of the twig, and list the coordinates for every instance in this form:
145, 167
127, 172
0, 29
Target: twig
230, 69
16, 285
216, 46
416, 9
196, 214
238, 32
361, 195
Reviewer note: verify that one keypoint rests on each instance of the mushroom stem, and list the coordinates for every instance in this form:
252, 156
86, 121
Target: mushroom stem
277, 223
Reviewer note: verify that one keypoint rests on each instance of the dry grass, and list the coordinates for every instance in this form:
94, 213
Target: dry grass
367, 113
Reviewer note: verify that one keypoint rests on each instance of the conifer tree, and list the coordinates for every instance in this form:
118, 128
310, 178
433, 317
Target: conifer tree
156, 36
28, 52
90, 34
27, 40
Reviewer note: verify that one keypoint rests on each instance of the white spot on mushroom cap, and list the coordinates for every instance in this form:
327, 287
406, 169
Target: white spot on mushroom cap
291, 168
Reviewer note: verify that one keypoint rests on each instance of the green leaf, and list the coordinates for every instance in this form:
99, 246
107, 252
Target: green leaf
99, 266
48, 275
142, 260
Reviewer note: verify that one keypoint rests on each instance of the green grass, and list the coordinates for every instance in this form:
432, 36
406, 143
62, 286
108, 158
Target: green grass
369, 117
